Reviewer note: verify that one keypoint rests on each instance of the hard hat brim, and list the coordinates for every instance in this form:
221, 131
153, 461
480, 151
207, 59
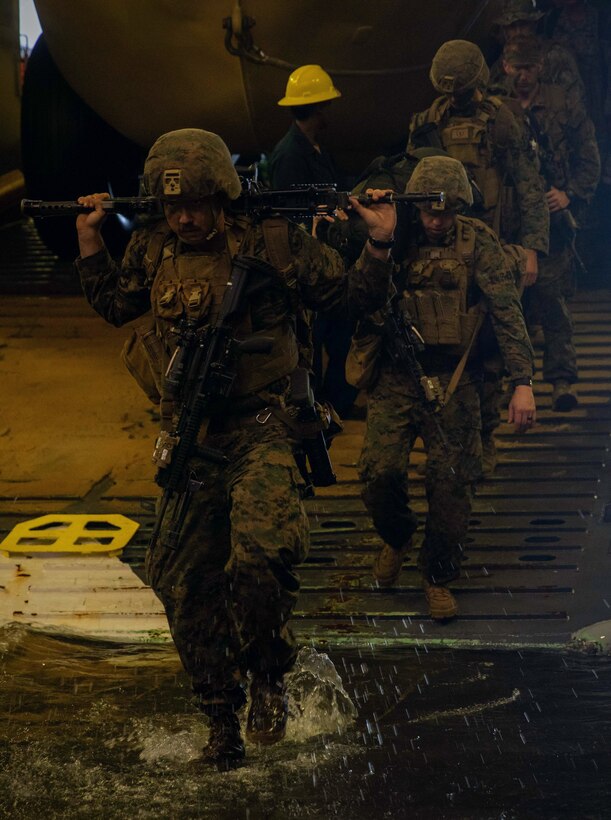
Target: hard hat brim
323, 96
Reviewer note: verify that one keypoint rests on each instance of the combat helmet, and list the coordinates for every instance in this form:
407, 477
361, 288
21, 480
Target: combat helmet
459, 66
515, 10
188, 164
308, 85
441, 174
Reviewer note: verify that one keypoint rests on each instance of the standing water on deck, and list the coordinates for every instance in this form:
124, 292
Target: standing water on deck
101, 730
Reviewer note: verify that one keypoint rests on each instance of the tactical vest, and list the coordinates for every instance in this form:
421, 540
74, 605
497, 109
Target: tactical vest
191, 285
437, 290
467, 139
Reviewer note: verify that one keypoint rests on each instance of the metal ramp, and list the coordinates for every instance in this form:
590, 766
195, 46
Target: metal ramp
538, 561
538, 556
537, 565
29, 267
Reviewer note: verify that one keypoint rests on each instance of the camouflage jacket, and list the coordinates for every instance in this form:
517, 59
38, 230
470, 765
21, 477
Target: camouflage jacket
493, 285
570, 160
121, 293
517, 171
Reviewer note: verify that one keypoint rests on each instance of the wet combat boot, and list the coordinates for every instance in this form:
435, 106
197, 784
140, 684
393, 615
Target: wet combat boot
388, 563
442, 604
268, 711
225, 747
564, 396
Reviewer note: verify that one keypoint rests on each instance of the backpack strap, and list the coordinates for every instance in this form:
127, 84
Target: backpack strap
465, 243
500, 124
437, 109
465, 247
460, 367
154, 249
276, 238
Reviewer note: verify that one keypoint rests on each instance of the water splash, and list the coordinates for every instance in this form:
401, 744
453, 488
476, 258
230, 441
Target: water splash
161, 744
318, 702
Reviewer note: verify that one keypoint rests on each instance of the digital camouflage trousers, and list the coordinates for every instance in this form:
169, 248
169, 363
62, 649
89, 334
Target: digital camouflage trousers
550, 296
395, 418
230, 587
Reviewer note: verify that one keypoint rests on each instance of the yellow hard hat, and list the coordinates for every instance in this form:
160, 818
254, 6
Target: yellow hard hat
307, 85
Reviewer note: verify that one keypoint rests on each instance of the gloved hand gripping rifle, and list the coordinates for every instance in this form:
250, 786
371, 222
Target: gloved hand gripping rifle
201, 375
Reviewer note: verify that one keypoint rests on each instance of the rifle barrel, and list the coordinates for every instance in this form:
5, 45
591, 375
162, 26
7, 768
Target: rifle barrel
118, 205
405, 199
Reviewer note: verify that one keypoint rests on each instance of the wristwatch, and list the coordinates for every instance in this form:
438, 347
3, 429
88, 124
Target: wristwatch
524, 381
382, 244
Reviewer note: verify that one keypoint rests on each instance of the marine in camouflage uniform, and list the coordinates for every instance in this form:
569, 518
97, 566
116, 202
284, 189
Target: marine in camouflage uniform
300, 158
230, 588
570, 164
457, 264
479, 130
521, 18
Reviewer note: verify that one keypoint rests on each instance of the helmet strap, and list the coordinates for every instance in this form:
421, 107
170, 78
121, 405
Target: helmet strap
217, 211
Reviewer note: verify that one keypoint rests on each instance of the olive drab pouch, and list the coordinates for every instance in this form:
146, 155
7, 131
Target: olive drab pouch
467, 141
438, 305
363, 359
436, 315
143, 355
437, 288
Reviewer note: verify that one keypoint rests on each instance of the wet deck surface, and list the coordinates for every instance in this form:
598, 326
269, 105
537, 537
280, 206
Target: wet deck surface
77, 437
103, 731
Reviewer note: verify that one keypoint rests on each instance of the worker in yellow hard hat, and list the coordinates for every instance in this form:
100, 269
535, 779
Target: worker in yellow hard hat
299, 157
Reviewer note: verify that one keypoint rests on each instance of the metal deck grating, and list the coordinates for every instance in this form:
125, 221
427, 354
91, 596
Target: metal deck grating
538, 563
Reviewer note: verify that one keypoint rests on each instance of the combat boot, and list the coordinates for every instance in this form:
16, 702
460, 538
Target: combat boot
388, 563
442, 604
269, 710
489, 456
564, 396
225, 747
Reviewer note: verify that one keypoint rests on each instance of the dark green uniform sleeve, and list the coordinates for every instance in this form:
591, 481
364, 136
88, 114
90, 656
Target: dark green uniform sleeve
583, 153
500, 297
118, 294
522, 170
324, 284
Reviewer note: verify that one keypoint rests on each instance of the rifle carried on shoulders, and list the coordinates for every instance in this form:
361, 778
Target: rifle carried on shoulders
300, 201
200, 376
